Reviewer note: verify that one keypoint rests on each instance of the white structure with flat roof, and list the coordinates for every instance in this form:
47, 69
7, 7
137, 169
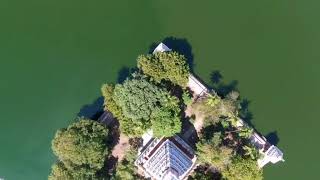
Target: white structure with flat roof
270, 153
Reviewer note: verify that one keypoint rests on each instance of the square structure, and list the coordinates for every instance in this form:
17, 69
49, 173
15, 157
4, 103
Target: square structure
166, 159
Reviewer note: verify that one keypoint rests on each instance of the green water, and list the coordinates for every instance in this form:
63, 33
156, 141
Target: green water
54, 56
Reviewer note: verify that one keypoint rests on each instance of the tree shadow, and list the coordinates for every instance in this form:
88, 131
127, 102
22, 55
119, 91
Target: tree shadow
123, 74
244, 112
221, 87
189, 133
205, 171
92, 111
180, 45
215, 77
109, 167
273, 138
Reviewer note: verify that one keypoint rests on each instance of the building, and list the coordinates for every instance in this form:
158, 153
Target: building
166, 159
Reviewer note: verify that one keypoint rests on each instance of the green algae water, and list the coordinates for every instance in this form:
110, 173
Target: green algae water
54, 56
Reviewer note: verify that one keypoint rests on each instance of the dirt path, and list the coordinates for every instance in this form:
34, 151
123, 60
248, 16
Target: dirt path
120, 149
198, 122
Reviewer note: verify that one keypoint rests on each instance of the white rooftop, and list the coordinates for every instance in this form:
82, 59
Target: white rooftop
166, 159
161, 48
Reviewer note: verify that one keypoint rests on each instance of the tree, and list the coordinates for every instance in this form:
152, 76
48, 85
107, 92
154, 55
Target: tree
242, 169
82, 146
165, 122
60, 172
186, 97
213, 107
126, 170
109, 103
169, 66
213, 153
145, 106
213, 100
138, 98
233, 95
245, 132
251, 151
204, 172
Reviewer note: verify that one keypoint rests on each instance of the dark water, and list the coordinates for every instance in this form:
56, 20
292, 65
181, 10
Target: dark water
54, 56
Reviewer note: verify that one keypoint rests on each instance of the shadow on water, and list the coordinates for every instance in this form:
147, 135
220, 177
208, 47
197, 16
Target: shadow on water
221, 87
180, 45
244, 112
124, 73
273, 138
92, 111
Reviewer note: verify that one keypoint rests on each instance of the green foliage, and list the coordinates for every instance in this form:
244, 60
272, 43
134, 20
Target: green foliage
60, 172
204, 173
186, 97
138, 98
81, 147
213, 108
165, 122
132, 128
242, 169
109, 103
233, 95
213, 153
245, 132
251, 152
144, 106
169, 66
126, 170
213, 100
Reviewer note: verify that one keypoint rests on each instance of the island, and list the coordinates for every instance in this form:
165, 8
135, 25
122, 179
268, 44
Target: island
163, 123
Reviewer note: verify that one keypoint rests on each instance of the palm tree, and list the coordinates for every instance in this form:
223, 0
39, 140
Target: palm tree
251, 151
213, 100
246, 132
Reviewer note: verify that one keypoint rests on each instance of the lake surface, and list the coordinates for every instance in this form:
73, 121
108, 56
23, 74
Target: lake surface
55, 55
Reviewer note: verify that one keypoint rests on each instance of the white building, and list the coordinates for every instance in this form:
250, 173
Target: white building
269, 152
166, 159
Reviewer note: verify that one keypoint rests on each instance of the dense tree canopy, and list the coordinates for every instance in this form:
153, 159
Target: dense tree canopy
169, 66
126, 169
138, 98
214, 107
187, 97
81, 147
144, 106
60, 172
212, 152
165, 122
109, 103
205, 172
243, 169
